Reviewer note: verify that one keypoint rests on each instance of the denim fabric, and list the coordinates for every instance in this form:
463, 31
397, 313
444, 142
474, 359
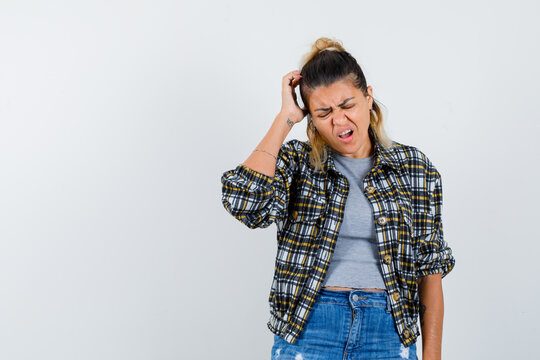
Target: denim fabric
347, 325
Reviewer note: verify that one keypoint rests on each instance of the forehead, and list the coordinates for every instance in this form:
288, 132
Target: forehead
333, 94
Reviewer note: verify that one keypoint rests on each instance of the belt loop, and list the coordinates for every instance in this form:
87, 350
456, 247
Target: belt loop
388, 306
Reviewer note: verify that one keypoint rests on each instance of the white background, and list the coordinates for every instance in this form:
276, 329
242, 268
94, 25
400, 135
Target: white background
118, 118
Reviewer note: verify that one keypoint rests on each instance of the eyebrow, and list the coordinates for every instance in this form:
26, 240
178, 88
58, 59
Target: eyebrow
343, 103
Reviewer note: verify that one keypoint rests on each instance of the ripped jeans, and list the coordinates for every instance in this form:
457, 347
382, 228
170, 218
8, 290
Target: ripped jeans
347, 325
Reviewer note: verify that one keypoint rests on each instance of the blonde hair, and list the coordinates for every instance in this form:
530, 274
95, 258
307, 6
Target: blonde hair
326, 63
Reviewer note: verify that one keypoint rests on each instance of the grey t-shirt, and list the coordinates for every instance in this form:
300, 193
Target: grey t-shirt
355, 260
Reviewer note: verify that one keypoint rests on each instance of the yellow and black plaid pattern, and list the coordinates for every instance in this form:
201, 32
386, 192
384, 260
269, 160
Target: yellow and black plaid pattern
307, 206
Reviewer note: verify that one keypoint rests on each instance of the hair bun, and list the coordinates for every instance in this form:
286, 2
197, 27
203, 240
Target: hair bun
325, 43
322, 44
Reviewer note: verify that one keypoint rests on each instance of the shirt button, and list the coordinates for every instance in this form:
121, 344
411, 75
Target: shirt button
387, 259
370, 189
295, 214
355, 297
382, 220
396, 295
406, 334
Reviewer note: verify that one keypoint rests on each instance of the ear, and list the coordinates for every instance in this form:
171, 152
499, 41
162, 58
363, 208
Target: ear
370, 99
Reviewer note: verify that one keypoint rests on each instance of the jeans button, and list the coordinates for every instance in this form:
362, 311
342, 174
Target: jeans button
355, 297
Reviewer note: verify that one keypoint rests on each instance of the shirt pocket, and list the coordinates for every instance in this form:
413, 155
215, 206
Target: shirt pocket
308, 202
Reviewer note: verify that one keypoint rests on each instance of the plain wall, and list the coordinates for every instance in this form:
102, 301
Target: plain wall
118, 118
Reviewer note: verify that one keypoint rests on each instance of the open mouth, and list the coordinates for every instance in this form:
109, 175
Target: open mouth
346, 134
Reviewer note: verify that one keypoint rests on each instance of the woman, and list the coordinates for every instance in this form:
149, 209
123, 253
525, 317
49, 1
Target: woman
360, 239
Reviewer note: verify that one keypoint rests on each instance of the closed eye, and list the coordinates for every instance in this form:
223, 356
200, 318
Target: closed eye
343, 107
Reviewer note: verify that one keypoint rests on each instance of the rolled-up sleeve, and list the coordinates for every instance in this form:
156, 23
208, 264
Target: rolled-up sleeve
258, 200
433, 255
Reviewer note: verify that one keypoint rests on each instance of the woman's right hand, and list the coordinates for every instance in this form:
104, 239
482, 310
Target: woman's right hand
289, 104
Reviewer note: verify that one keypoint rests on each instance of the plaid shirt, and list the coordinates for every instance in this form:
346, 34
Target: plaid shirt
307, 206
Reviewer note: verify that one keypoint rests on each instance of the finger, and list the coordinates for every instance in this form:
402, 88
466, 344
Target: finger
289, 82
288, 79
291, 74
295, 79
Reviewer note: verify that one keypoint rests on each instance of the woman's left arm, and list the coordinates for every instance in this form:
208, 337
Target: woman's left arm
434, 261
431, 315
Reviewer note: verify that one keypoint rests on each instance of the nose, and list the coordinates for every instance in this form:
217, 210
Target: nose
339, 116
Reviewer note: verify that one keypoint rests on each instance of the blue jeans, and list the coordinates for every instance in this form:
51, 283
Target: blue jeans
347, 325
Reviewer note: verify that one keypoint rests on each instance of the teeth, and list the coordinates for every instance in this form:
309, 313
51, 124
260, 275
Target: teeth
345, 132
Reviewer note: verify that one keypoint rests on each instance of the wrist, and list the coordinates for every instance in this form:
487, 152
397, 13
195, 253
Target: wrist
288, 118
284, 121
431, 353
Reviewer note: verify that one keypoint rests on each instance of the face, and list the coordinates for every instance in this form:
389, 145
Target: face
340, 107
